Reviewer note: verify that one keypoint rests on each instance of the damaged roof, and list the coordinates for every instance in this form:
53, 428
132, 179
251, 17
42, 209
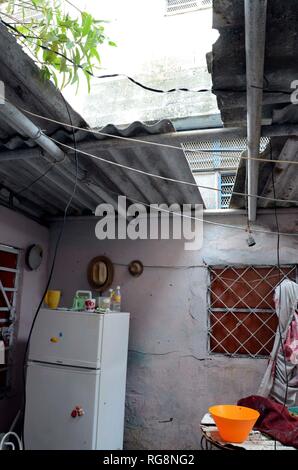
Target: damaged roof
22, 162
227, 64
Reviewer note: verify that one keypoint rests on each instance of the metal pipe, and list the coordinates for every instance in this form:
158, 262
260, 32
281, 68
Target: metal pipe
255, 34
173, 138
24, 126
18, 121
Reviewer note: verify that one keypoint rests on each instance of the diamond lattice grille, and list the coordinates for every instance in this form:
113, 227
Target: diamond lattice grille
242, 319
181, 6
226, 188
217, 155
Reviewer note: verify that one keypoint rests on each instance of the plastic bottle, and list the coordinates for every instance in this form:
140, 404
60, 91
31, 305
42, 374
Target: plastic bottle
117, 300
111, 295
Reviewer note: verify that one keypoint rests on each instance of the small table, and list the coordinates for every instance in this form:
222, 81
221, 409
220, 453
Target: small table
255, 441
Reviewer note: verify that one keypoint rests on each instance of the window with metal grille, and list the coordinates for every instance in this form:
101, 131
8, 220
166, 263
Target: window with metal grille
226, 184
9, 284
217, 154
182, 6
241, 314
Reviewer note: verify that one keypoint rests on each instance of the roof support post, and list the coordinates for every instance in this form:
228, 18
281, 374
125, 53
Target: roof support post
255, 34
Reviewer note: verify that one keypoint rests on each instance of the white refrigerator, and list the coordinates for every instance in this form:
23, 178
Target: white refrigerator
76, 380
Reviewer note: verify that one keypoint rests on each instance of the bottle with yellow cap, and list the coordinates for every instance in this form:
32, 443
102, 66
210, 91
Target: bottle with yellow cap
117, 300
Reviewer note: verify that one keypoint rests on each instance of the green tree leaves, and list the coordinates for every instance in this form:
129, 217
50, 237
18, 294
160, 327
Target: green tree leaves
64, 46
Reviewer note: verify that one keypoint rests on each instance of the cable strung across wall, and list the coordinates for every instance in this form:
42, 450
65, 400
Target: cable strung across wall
55, 254
179, 214
145, 142
128, 139
137, 170
165, 178
133, 140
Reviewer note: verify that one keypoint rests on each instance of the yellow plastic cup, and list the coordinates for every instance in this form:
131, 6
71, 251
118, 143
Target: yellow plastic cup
52, 298
233, 422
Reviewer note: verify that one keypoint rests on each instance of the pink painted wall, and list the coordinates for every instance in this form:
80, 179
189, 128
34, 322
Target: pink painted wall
171, 378
20, 232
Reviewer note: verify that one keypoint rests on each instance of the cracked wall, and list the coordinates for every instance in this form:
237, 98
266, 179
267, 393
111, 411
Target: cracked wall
171, 378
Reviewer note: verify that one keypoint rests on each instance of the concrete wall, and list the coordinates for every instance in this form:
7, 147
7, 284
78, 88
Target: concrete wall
21, 232
211, 198
160, 51
171, 378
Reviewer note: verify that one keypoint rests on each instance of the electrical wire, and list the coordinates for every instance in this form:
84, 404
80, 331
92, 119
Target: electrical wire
134, 81
168, 146
279, 281
159, 209
40, 177
165, 178
200, 186
203, 266
49, 277
174, 267
171, 180
73, 6
160, 145
131, 139
129, 168
11, 433
278, 263
59, 54
157, 144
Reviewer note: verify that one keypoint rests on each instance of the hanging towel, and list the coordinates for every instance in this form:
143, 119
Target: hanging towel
281, 377
291, 343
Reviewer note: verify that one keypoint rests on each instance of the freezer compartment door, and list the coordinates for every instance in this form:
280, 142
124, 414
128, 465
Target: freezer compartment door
53, 393
66, 337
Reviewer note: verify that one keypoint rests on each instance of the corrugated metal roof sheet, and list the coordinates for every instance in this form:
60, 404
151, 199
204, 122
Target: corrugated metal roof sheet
228, 67
98, 181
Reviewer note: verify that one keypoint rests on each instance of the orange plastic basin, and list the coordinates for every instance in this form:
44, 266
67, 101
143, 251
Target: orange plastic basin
233, 422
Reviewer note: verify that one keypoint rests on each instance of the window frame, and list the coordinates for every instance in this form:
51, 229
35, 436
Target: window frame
220, 185
10, 331
211, 311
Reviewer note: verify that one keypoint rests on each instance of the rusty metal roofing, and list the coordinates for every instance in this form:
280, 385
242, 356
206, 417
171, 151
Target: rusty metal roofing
227, 65
98, 181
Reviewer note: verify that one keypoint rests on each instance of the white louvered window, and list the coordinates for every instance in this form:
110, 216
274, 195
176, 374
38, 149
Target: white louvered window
183, 6
226, 184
